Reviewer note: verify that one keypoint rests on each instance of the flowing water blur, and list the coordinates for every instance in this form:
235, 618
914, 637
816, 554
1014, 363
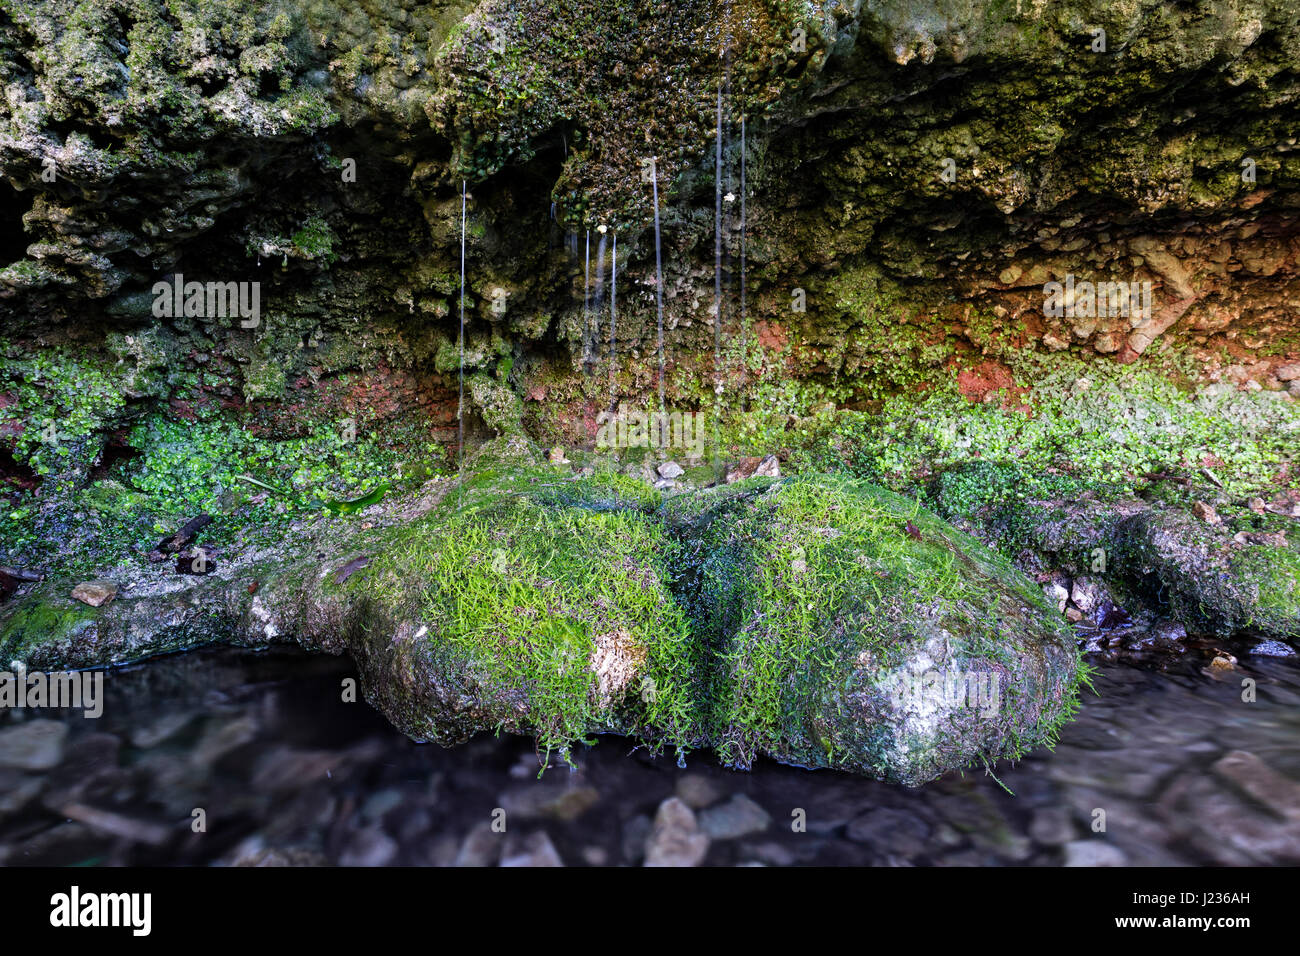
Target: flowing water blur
286, 771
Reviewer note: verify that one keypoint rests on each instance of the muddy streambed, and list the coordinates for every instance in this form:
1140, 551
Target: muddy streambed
1168, 757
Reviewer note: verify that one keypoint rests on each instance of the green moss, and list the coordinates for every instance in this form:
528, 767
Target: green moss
41, 622
1273, 575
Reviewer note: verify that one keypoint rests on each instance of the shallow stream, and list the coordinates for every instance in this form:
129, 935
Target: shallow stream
1185, 770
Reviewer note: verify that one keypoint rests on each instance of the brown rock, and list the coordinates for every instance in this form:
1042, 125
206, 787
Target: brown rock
95, 593
1206, 513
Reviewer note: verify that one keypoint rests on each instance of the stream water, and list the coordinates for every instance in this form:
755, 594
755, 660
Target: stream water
285, 771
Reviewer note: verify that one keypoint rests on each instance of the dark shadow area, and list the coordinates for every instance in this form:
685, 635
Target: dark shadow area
13, 237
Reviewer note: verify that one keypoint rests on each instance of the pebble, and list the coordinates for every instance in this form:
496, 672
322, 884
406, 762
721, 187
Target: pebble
33, 744
635, 833
1268, 787
890, 831
738, 817
535, 849
1272, 649
676, 838
1206, 513
697, 791
1051, 826
1087, 594
1093, 853
558, 800
481, 847
1057, 594
369, 847
670, 469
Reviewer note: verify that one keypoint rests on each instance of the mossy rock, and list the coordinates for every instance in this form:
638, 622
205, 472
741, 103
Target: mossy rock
1208, 581
531, 603
838, 614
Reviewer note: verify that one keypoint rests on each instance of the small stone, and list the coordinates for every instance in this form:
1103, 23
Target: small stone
1272, 649
1093, 853
1206, 513
271, 856
891, 831
542, 798
1087, 594
769, 467
480, 847
697, 791
557, 456
1280, 794
635, 833
1057, 594
738, 817
1223, 662
33, 744
378, 804
369, 847
95, 593
676, 838
157, 731
1051, 826
536, 849
670, 469
1256, 505
1074, 615
665, 484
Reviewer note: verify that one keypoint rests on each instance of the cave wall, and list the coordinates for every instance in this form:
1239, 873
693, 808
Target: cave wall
319, 149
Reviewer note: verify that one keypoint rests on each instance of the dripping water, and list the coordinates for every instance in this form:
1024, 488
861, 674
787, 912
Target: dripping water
460, 401
613, 321
659, 288
600, 292
744, 316
588, 333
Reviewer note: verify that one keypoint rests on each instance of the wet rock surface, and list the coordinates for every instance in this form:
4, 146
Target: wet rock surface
1184, 770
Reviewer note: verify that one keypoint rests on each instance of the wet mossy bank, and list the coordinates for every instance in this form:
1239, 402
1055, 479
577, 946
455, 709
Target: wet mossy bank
818, 621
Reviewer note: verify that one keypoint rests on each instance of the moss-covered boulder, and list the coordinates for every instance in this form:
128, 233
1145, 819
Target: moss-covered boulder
850, 628
530, 603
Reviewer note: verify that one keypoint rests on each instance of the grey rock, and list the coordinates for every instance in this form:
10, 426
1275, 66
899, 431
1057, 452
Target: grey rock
369, 847
697, 791
738, 817
1087, 594
481, 847
1272, 649
1052, 826
535, 849
1093, 853
891, 831
676, 838
33, 744
670, 469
